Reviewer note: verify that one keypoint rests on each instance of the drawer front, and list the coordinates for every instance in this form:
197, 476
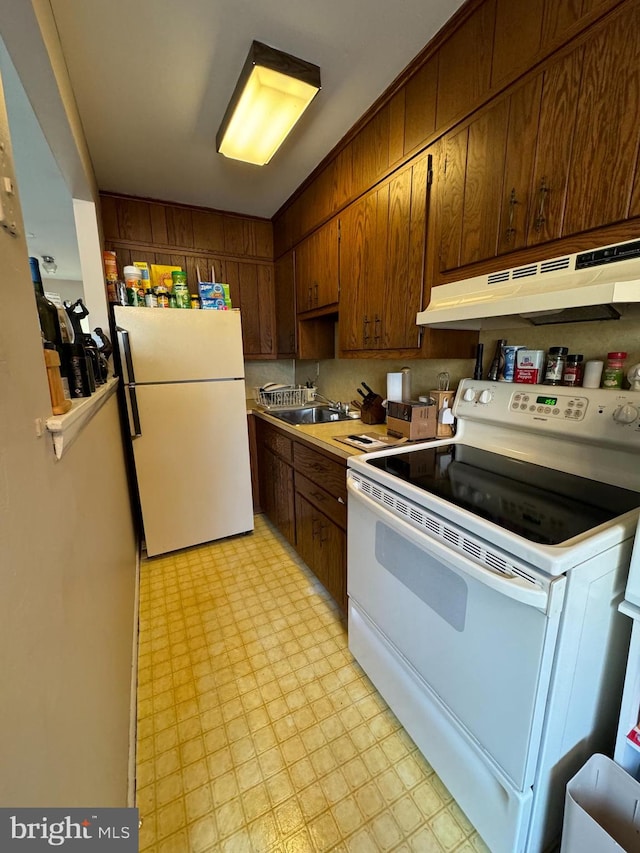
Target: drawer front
332, 476
328, 504
278, 443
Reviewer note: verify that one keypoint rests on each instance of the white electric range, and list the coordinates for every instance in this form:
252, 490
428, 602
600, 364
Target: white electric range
484, 574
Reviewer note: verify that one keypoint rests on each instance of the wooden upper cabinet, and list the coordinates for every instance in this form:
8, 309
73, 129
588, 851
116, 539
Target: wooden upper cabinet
483, 183
607, 131
524, 112
465, 65
134, 221
316, 269
285, 306
208, 231
370, 151
516, 39
560, 89
420, 105
252, 291
450, 186
382, 264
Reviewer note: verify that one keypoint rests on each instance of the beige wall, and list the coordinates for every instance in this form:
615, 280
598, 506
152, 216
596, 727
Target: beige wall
67, 576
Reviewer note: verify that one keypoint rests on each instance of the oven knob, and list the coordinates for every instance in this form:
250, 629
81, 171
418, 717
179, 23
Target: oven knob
469, 395
626, 414
485, 397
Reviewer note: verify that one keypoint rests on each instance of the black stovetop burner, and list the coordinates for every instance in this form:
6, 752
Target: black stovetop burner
540, 504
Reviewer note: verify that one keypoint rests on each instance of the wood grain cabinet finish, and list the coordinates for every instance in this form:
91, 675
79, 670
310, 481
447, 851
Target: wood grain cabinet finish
316, 269
382, 244
285, 306
303, 492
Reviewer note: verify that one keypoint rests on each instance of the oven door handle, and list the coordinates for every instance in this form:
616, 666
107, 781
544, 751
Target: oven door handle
514, 587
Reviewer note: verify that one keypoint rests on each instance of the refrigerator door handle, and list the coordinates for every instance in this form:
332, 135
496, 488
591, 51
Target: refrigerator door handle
123, 334
135, 414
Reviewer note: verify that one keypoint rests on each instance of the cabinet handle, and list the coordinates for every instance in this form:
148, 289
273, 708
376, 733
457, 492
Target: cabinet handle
543, 192
315, 294
314, 527
510, 233
365, 329
292, 341
341, 500
309, 299
376, 328
323, 527
318, 496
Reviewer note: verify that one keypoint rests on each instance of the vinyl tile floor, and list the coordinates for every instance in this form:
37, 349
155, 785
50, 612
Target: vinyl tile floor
257, 730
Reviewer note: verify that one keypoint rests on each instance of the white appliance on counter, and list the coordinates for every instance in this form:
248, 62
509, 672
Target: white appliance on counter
183, 374
484, 577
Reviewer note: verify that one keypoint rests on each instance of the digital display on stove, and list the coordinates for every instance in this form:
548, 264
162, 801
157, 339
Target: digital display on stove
540, 504
547, 401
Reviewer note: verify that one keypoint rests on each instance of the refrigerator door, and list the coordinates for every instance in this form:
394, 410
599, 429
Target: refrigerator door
192, 463
180, 345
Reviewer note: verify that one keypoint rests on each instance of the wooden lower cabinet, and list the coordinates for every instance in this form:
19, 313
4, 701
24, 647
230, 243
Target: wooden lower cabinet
303, 492
323, 547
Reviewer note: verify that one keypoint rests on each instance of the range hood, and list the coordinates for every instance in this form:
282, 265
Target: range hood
596, 285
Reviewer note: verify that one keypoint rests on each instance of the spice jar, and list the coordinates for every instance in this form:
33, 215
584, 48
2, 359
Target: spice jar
556, 361
613, 373
572, 375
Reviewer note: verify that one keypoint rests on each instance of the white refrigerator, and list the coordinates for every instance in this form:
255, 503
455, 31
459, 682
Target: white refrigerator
183, 375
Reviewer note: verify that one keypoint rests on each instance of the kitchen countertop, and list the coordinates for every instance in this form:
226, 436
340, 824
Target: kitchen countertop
322, 435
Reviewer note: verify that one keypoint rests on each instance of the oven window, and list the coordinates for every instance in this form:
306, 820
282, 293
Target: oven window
538, 503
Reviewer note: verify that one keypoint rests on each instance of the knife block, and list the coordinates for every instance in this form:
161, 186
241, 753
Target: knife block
372, 410
443, 430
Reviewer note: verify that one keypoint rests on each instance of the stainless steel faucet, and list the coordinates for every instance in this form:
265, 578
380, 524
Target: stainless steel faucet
333, 404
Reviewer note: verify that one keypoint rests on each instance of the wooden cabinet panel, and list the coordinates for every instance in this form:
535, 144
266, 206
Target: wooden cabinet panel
134, 222
517, 37
560, 89
465, 65
322, 545
158, 215
396, 127
285, 306
277, 441
371, 151
420, 105
327, 473
316, 269
524, 112
251, 290
276, 493
263, 236
208, 231
607, 129
179, 227
382, 263
452, 168
109, 217
483, 184
322, 500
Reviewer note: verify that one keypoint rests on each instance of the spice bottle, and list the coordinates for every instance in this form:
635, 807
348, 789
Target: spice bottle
613, 373
572, 375
556, 360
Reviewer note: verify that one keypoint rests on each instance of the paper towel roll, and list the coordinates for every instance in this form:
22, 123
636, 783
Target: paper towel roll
394, 386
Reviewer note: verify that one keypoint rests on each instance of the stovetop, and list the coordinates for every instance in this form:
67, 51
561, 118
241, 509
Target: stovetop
541, 504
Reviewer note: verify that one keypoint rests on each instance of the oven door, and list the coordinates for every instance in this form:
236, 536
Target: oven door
480, 642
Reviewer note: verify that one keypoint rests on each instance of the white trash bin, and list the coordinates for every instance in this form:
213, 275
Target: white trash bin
602, 810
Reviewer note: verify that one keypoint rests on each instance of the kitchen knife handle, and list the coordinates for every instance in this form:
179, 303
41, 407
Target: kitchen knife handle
366, 388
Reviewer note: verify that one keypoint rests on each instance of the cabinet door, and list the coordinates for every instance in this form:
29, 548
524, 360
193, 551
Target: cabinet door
251, 289
285, 306
560, 88
363, 240
276, 492
322, 545
483, 184
516, 38
402, 296
607, 128
451, 172
524, 110
316, 269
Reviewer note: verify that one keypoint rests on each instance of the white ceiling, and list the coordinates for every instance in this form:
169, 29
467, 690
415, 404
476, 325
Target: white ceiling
152, 79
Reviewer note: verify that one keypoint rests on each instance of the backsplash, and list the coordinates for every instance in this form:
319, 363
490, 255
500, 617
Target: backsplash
594, 340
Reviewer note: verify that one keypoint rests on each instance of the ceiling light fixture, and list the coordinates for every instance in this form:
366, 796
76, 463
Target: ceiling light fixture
273, 91
49, 264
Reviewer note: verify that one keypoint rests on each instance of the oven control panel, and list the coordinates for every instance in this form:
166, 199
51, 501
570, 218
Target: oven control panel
583, 414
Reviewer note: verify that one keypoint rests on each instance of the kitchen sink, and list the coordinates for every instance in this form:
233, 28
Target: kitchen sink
311, 415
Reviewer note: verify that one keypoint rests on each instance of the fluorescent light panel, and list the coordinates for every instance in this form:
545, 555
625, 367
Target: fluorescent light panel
273, 91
